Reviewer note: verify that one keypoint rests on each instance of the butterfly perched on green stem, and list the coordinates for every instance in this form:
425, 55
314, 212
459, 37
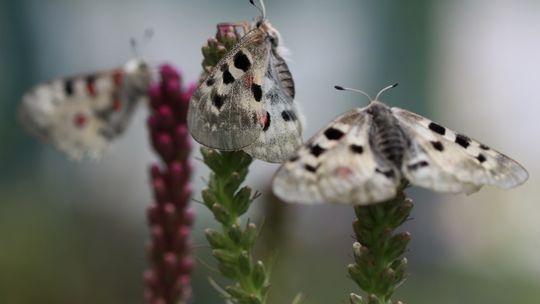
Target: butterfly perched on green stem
366, 154
246, 101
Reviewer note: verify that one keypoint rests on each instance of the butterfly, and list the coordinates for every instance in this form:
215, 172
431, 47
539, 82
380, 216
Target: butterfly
366, 154
80, 115
246, 101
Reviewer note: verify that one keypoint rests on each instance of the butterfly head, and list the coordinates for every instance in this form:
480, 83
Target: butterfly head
264, 25
366, 94
139, 74
273, 36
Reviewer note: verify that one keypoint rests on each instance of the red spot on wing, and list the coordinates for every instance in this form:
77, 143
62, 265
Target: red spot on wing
80, 120
117, 77
248, 79
91, 89
343, 172
117, 103
263, 120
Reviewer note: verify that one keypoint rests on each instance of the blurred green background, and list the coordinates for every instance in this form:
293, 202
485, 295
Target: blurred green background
76, 232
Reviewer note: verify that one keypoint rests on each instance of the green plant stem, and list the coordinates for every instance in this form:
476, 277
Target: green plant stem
379, 265
233, 246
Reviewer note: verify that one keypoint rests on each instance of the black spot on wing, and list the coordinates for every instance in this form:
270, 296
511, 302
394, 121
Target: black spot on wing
267, 122
218, 100
227, 76
481, 158
316, 150
388, 173
437, 128
68, 87
437, 145
257, 91
241, 61
484, 147
210, 81
310, 168
463, 140
333, 133
418, 165
254, 118
90, 79
294, 158
356, 149
288, 115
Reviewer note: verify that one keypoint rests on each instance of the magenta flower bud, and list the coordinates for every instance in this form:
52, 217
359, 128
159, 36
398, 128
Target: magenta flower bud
155, 172
189, 217
165, 146
152, 122
170, 262
150, 278
160, 190
155, 96
166, 119
186, 265
153, 214
169, 213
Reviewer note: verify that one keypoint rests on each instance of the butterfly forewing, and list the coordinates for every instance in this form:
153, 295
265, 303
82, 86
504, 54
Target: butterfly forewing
448, 159
225, 111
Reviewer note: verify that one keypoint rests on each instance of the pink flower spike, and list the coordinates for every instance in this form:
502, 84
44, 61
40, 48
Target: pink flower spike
169, 217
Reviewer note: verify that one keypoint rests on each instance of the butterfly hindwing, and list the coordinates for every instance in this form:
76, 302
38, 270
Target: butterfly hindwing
81, 115
282, 131
337, 165
447, 161
226, 111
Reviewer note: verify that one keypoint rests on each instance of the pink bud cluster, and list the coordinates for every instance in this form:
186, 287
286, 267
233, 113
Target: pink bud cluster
169, 217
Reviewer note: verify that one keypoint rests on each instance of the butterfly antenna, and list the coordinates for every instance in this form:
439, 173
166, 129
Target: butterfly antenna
136, 43
261, 9
352, 90
134, 47
385, 89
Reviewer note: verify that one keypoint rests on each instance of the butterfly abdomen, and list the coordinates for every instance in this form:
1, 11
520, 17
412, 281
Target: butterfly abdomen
386, 135
284, 75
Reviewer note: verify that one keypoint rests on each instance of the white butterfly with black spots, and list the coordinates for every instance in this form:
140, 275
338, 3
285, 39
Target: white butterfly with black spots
246, 101
80, 115
364, 155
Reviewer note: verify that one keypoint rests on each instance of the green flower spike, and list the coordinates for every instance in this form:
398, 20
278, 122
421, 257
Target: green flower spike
233, 245
379, 266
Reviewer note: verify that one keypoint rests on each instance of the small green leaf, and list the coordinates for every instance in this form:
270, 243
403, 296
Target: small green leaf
208, 197
238, 293
220, 213
225, 256
258, 277
250, 235
244, 263
242, 200
216, 239
355, 299
235, 234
